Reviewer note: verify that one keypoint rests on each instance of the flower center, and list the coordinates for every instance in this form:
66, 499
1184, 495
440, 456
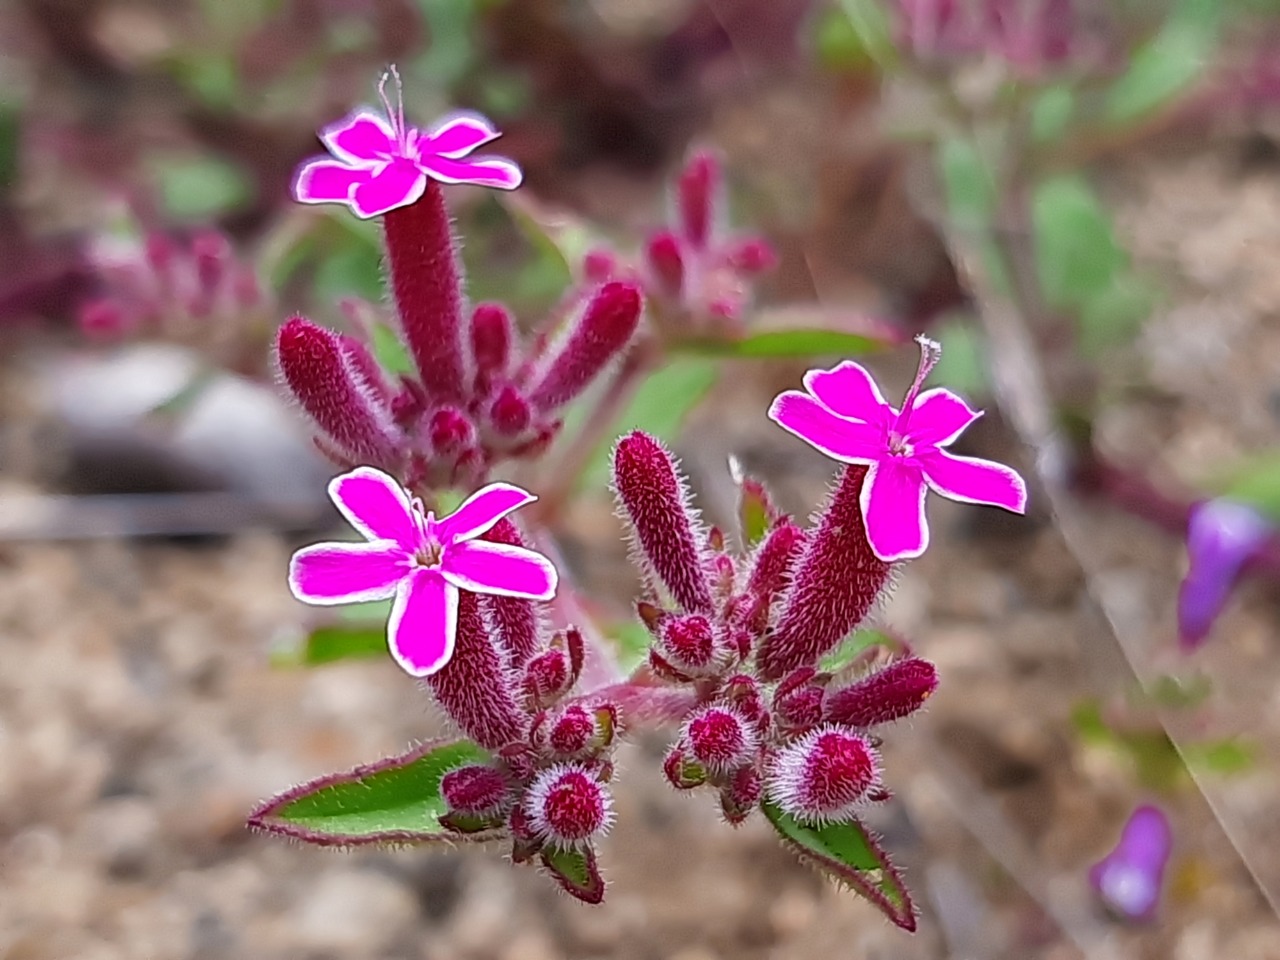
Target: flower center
430, 554
899, 445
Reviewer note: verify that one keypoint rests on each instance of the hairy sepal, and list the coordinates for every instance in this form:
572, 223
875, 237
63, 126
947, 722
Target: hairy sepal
850, 854
576, 872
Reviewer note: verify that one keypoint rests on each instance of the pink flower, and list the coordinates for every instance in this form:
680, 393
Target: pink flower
845, 416
421, 561
379, 163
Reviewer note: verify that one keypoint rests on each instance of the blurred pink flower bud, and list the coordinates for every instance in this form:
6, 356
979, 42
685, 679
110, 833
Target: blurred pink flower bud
604, 328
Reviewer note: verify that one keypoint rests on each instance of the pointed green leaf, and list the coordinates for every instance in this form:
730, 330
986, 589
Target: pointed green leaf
849, 854
767, 344
1168, 63
854, 647
967, 184
576, 871
343, 641
393, 801
871, 23
1079, 256
200, 187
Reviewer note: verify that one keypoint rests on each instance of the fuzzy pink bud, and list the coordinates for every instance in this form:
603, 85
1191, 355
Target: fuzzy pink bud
688, 641
604, 329
665, 262
653, 495
475, 789
567, 806
104, 319
326, 381
211, 251
697, 197
741, 794
800, 708
599, 265
492, 331
836, 583
450, 431
546, 678
426, 286
771, 567
514, 621
571, 732
161, 251
891, 693
246, 290
474, 687
752, 256
744, 694
824, 776
719, 739
510, 413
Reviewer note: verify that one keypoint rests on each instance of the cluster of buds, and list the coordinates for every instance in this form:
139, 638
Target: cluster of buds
508, 688
1031, 36
480, 395
746, 635
698, 278
191, 289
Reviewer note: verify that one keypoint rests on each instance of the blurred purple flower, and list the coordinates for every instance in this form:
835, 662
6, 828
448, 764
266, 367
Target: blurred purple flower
1129, 878
1222, 536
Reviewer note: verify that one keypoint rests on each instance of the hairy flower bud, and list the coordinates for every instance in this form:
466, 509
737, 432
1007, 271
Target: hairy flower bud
824, 776
697, 196
719, 739
665, 263
891, 693
104, 319
450, 430
751, 256
474, 686
475, 789
797, 702
680, 768
605, 327
547, 678
666, 531
599, 265
744, 694
510, 413
687, 641
426, 287
492, 331
567, 806
741, 794
571, 733
836, 583
324, 378
774, 560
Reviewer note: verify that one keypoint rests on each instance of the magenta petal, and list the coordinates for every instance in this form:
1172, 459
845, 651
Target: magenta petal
970, 480
423, 623
329, 573
848, 440
361, 137
398, 184
457, 135
893, 508
849, 390
377, 506
1130, 877
327, 181
938, 417
480, 511
482, 171
497, 568
1221, 537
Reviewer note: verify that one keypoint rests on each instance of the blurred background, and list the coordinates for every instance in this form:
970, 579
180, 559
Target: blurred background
1080, 200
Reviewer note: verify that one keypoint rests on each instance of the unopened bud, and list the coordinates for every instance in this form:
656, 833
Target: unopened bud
665, 264
567, 806
510, 413
547, 678
680, 768
892, 693
697, 197
604, 329
475, 789
741, 794
824, 776
719, 739
744, 694
752, 256
103, 319
571, 734
211, 251
491, 336
688, 641
599, 265
450, 431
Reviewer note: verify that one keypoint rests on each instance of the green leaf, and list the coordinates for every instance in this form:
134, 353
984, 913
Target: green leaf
659, 407
394, 801
355, 269
849, 854
1074, 242
1113, 315
870, 22
576, 871
345, 641
764, 344
200, 187
854, 646
1167, 64
1222, 757
10, 143
756, 510
390, 351
967, 184
838, 44
1051, 112
1255, 482
632, 640
963, 365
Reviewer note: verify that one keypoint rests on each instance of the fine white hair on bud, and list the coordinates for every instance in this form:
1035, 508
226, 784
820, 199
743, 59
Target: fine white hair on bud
567, 806
824, 777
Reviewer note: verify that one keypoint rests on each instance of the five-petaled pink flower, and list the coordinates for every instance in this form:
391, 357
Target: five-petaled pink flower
845, 416
379, 163
422, 561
